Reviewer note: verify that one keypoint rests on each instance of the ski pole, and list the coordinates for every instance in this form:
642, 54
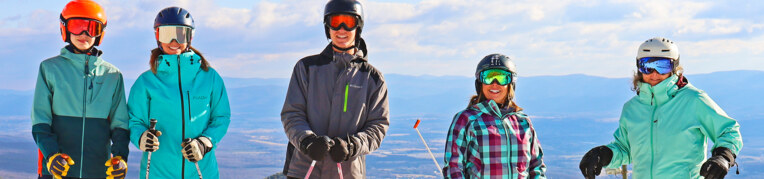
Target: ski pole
152, 129
312, 164
197, 169
425, 145
339, 169
624, 172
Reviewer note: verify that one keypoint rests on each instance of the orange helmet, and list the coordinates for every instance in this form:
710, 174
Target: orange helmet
82, 9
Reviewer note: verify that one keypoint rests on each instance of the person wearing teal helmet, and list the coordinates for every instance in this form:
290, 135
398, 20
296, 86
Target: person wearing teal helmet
188, 99
663, 130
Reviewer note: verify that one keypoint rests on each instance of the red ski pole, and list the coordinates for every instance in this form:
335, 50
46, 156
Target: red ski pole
312, 164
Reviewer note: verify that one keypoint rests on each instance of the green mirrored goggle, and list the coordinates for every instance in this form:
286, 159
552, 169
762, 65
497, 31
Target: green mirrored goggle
502, 77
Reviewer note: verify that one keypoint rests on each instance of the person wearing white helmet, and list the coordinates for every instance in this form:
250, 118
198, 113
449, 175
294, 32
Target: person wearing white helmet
663, 130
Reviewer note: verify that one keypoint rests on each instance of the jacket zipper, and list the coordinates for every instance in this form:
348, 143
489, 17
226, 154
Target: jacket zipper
509, 158
183, 119
84, 112
652, 135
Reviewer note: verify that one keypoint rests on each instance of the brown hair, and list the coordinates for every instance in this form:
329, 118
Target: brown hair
637, 78
156, 52
510, 103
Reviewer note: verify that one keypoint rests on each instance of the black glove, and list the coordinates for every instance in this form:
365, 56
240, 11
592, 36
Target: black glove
722, 159
316, 146
342, 149
593, 161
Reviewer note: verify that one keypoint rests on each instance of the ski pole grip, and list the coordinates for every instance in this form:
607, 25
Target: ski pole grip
417, 123
152, 123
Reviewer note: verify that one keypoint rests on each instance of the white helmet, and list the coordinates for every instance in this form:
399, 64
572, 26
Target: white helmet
658, 47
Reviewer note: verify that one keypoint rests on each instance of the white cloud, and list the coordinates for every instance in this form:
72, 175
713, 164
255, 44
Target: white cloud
435, 37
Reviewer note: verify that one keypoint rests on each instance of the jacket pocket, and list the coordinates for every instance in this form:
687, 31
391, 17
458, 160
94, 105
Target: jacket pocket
101, 89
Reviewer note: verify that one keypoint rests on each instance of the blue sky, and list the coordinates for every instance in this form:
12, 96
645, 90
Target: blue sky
428, 37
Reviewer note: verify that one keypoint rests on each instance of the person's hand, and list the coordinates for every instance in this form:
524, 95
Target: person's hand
722, 159
149, 141
593, 161
316, 146
58, 165
117, 168
339, 151
195, 149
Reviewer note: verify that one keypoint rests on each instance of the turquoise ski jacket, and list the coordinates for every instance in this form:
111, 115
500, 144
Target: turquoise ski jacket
187, 102
663, 131
79, 110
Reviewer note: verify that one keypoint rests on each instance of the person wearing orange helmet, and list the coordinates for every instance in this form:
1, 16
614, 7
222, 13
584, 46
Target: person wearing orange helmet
79, 117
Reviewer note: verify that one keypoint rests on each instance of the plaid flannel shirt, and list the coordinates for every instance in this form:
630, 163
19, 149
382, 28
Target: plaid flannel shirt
484, 142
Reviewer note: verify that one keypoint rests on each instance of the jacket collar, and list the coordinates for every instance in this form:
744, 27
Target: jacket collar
491, 107
660, 93
78, 60
189, 62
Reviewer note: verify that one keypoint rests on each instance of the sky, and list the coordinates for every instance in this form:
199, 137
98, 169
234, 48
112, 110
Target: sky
264, 39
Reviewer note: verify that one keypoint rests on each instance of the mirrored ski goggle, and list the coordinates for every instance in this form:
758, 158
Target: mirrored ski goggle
337, 21
166, 34
93, 28
502, 77
659, 64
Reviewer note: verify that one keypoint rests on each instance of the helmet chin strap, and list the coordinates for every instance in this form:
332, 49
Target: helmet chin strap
344, 49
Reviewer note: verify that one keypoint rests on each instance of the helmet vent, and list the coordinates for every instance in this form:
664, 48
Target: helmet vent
666, 50
646, 50
187, 15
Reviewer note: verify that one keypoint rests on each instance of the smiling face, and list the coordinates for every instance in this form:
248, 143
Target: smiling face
496, 92
173, 48
654, 78
342, 38
82, 42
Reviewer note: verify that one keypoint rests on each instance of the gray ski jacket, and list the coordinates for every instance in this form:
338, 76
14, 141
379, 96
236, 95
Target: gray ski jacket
337, 95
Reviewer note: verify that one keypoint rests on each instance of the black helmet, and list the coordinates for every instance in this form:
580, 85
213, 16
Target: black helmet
352, 7
494, 61
174, 16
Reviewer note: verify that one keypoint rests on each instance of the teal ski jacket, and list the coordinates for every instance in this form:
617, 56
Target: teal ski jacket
663, 131
187, 102
79, 110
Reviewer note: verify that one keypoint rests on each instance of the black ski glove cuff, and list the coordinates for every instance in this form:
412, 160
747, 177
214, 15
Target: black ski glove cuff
726, 154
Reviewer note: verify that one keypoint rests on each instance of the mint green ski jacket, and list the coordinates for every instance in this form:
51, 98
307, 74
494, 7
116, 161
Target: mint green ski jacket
79, 110
187, 102
663, 131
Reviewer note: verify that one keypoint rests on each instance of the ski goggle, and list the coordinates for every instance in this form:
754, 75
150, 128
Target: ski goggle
93, 28
181, 34
503, 77
659, 64
337, 21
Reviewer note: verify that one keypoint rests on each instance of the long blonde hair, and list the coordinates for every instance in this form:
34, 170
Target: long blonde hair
156, 52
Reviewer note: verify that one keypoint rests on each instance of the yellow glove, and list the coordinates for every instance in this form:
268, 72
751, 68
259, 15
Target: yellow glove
58, 165
117, 168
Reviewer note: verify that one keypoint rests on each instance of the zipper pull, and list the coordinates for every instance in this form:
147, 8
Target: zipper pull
91, 84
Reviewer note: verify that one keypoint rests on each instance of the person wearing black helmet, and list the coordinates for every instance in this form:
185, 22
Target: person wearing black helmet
492, 137
187, 98
336, 107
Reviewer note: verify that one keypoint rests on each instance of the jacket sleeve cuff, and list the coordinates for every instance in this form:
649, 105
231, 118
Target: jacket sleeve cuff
46, 140
120, 140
